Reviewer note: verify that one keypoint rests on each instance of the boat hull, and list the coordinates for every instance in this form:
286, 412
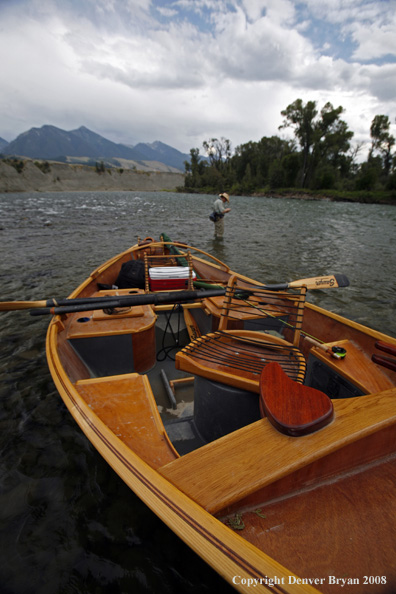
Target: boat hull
285, 491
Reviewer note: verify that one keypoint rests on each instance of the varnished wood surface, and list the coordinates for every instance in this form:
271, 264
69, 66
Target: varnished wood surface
226, 551
126, 405
241, 363
356, 366
132, 320
218, 545
344, 529
290, 407
227, 470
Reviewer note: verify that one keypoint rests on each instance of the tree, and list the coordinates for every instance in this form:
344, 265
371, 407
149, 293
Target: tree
301, 118
194, 170
218, 152
324, 140
382, 141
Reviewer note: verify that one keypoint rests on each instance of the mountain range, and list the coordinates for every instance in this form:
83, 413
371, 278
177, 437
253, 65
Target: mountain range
84, 146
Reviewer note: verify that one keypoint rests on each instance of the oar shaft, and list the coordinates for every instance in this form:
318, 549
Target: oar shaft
128, 300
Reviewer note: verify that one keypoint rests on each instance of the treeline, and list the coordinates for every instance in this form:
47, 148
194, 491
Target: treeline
319, 157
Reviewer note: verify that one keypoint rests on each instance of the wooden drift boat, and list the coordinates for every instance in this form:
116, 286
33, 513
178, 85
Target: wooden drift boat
260, 428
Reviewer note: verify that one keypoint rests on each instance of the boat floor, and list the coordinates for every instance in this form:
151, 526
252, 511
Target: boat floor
344, 529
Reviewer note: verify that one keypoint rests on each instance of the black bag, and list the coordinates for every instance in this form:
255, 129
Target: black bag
131, 275
215, 216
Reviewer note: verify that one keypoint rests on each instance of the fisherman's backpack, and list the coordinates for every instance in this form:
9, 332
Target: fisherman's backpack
131, 275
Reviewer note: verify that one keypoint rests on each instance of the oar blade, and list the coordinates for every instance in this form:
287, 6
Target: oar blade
329, 281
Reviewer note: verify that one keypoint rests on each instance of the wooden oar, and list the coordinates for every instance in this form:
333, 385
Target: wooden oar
331, 281
316, 282
386, 347
387, 362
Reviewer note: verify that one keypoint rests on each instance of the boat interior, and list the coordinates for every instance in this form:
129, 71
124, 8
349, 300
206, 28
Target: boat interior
190, 388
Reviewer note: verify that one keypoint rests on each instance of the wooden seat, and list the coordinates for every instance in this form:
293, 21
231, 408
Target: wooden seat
261, 309
123, 403
237, 357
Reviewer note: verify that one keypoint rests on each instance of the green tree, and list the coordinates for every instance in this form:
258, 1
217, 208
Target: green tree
324, 138
301, 118
194, 170
382, 141
218, 152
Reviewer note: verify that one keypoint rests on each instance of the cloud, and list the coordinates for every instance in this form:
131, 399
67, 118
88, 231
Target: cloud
182, 71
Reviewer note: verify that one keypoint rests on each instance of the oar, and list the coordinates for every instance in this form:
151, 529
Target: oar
316, 282
128, 301
331, 281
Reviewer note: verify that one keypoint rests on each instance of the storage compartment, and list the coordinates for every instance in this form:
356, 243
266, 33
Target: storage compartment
322, 377
220, 409
168, 278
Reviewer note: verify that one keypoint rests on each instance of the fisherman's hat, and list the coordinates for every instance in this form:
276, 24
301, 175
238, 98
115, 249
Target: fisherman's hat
224, 195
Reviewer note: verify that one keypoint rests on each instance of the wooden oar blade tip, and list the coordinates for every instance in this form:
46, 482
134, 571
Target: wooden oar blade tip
342, 280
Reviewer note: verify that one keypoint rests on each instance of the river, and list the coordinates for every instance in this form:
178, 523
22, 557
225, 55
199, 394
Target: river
68, 524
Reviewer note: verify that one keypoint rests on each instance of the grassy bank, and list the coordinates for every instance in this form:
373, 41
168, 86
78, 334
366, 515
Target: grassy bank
365, 197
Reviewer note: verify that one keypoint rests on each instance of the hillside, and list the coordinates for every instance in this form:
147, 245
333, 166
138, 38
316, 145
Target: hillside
83, 145
29, 176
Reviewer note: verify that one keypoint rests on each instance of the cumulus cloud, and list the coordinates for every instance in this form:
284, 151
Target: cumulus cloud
182, 71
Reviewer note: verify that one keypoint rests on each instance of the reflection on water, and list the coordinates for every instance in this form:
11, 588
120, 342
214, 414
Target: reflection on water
69, 524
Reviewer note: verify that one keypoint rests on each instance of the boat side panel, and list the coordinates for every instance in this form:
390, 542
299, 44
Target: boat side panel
329, 327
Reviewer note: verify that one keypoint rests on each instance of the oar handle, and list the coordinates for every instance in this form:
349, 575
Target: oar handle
387, 362
316, 343
16, 305
386, 347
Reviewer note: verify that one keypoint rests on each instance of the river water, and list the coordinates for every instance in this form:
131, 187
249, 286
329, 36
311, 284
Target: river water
68, 524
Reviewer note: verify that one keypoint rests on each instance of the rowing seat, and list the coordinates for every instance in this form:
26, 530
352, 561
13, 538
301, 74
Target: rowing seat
237, 357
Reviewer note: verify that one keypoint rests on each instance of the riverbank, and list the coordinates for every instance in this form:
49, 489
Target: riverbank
366, 197
30, 176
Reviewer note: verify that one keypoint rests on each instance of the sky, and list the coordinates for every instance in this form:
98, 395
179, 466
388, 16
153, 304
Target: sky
186, 71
